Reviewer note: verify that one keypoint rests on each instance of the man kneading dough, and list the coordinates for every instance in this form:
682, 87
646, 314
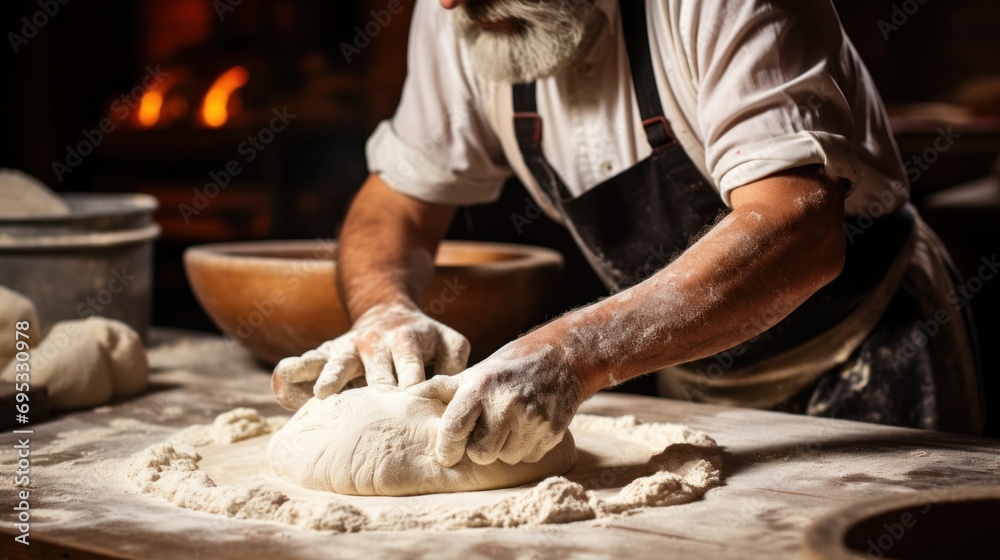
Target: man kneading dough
641, 125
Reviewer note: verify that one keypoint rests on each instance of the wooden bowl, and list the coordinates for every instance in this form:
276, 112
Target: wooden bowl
279, 298
955, 522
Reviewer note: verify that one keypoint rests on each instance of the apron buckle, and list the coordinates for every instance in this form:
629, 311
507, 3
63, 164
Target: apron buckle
528, 126
659, 136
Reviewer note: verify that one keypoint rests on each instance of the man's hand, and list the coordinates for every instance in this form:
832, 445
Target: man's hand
514, 406
384, 263
388, 345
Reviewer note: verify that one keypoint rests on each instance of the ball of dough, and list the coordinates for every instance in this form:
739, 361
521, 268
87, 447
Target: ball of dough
26, 197
83, 363
15, 308
380, 441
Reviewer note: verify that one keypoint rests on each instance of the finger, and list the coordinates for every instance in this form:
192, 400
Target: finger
338, 372
342, 365
408, 360
297, 369
457, 423
356, 383
442, 388
291, 396
378, 366
542, 446
518, 445
487, 439
452, 352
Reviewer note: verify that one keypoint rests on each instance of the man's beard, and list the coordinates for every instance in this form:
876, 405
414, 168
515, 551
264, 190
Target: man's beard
543, 37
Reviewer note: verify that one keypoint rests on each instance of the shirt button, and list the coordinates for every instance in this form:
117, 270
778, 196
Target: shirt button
607, 167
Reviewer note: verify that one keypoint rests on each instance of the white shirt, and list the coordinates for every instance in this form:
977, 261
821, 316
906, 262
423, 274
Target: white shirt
750, 89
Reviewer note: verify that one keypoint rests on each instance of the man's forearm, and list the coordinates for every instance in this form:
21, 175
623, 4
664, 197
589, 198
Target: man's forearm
753, 269
387, 248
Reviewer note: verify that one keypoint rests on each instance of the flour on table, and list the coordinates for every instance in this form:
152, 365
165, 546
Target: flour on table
679, 466
230, 427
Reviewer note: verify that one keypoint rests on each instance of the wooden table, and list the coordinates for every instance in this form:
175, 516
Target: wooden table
781, 473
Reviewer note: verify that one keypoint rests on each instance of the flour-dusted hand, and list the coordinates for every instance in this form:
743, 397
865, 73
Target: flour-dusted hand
514, 406
388, 345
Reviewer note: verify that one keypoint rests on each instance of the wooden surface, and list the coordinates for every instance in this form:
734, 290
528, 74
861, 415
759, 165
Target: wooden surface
782, 472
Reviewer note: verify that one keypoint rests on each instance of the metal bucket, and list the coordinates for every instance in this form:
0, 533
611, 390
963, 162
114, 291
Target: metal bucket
96, 261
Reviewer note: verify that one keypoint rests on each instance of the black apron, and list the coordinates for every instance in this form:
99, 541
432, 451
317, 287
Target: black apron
658, 206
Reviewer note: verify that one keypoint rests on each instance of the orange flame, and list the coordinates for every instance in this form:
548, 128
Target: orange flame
151, 103
149, 108
215, 111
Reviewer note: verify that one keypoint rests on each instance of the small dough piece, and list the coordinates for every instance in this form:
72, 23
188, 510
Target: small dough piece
83, 363
127, 361
15, 308
379, 441
24, 196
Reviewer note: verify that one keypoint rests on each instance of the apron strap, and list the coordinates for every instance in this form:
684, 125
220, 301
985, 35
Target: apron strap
640, 58
528, 131
528, 123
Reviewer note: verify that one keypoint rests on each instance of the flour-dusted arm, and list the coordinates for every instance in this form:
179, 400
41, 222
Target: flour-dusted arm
783, 241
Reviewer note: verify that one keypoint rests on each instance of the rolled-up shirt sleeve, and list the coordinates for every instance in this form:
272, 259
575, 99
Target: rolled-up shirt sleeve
438, 147
768, 76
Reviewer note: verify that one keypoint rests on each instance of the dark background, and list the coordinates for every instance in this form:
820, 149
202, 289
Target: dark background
941, 62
